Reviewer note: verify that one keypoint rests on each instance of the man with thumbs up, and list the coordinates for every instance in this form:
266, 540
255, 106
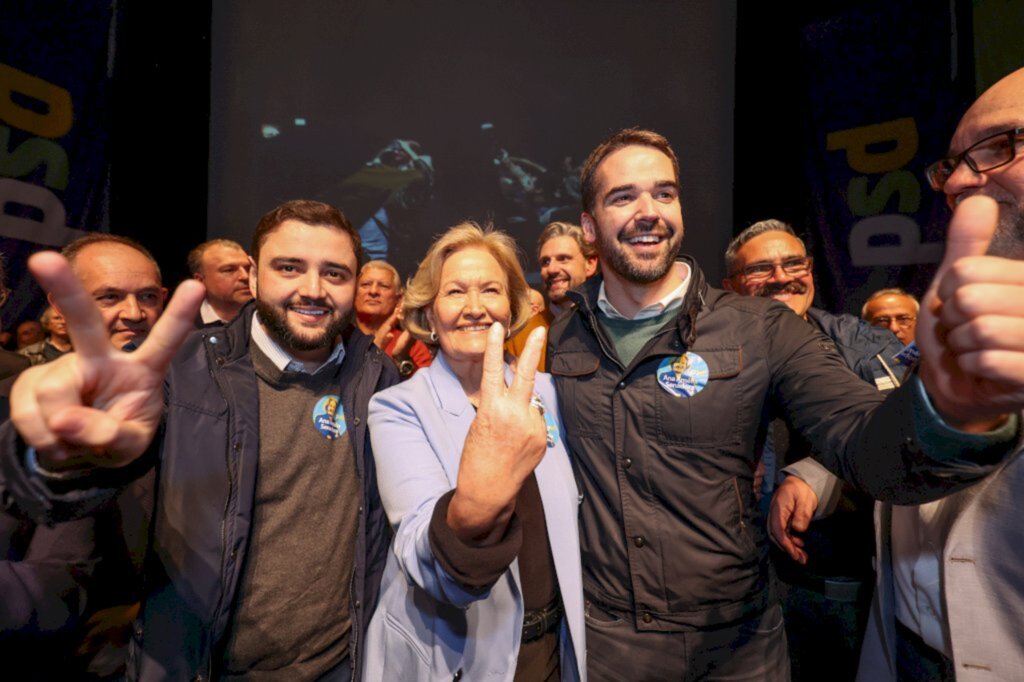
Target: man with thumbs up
945, 606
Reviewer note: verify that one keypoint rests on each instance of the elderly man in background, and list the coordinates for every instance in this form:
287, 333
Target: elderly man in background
56, 343
378, 314
223, 267
895, 310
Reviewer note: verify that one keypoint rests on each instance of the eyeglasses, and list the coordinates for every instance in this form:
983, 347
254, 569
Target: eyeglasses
903, 321
794, 267
984, 155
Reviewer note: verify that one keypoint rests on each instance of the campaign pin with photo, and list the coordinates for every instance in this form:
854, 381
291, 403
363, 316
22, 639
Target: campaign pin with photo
329, 417
685, 375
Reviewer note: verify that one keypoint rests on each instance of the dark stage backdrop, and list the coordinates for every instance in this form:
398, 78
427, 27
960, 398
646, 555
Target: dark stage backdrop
414, 116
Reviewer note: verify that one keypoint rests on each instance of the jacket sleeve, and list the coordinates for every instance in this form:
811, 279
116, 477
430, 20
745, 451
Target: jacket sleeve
30, 495
412, 480
890, 448
44, 592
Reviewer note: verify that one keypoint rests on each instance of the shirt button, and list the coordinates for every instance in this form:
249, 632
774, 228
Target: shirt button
622, 384
646, 617
628, 462
639, 541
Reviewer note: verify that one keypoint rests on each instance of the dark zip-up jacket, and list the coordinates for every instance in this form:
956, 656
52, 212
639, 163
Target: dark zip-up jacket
206, 456
667, 521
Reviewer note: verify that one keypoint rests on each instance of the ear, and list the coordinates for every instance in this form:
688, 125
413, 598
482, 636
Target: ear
591, 266
198, 276
49, 299
589, 227
252, 277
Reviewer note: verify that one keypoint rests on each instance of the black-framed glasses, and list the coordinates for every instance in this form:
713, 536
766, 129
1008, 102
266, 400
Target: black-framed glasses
794, 267
902, 321
984, 155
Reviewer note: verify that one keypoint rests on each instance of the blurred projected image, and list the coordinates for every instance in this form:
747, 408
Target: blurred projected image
385, 199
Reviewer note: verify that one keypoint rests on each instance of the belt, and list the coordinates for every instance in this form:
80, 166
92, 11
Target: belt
539, 622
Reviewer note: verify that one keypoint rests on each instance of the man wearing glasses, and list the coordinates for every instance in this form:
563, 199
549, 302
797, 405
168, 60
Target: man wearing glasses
895, 310
825, 601
947, 601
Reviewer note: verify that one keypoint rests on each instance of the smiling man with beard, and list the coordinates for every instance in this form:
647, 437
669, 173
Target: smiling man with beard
665, 386
268, 538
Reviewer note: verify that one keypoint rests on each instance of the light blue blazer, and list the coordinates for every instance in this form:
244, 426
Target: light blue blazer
426, 626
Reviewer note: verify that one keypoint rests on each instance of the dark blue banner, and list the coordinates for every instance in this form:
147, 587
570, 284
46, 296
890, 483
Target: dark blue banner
883, 99
55, 63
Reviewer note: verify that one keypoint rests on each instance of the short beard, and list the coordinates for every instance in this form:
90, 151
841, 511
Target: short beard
1008, 240
277, 327
619, 262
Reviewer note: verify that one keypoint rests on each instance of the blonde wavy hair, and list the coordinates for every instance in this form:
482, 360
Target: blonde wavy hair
424, 285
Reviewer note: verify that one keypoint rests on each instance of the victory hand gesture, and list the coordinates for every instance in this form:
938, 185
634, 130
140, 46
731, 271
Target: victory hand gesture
507, 441
971, 326
99, 405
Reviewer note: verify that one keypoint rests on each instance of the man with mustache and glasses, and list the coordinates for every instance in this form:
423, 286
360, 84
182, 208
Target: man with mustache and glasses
675, 563
268, 537
826, 601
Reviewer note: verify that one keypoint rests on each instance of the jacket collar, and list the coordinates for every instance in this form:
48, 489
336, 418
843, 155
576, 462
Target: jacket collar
585, 299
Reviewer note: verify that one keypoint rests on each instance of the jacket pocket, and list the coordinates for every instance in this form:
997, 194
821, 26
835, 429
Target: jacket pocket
403, 651
712, 414
580, 399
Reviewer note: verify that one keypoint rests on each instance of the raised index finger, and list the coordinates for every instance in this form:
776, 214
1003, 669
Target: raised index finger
88, 333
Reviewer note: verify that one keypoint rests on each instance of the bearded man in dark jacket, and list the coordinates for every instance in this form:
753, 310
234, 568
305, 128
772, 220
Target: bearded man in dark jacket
268, 535
665, 385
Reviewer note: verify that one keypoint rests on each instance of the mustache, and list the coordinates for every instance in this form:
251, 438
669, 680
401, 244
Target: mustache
773, 288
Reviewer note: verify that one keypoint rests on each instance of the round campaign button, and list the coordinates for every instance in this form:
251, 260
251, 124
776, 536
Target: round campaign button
329, 417
685, 375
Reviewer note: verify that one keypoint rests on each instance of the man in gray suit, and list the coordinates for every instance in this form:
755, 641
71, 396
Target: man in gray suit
950, 578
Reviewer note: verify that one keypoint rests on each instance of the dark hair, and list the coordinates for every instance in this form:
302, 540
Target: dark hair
308, 212
195, 256
71, 250
629, 137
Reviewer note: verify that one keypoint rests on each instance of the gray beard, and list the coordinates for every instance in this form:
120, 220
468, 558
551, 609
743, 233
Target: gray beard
1008, 241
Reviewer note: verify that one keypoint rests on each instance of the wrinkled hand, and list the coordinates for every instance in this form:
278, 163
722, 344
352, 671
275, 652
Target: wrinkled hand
793, 507
382, 337
505, 444
971, 326
98, 405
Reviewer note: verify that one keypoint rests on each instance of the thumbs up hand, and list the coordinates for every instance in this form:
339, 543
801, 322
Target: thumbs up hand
971, 327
